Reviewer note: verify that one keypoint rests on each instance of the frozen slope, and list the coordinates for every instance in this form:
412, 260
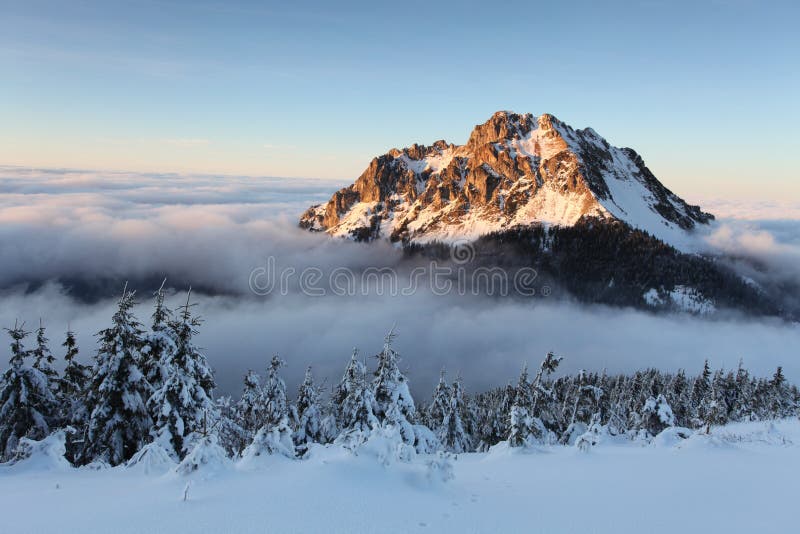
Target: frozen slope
741, 479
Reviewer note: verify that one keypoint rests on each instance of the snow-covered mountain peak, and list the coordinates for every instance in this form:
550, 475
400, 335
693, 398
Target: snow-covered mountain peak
515, 170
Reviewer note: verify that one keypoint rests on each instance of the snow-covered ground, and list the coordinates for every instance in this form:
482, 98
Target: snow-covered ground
741, 478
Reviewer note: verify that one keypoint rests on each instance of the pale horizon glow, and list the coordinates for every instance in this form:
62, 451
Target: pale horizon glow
704, 91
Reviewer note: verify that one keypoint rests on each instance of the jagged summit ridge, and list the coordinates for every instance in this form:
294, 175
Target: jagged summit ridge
515, 170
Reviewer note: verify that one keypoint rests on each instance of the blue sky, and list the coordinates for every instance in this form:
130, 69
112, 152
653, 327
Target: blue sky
706, 91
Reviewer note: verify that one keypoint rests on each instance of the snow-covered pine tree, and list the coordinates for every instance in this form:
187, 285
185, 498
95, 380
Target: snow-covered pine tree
232, 437
593, 435
779, 403
492, 411
586, 397
761, 398
677, 395
743, 406
519, 415
72, 386
440, 404
714, 408
159, 344
275, 435
250, 410
722, 397
501, 418
541, 394
71, 396
183, 405
633, 397
329, 429
353, 400
656, 415
615, 417
701, 391
119, 423
452, 433
547, 367
309, 413
276, 406
27, 404
43, 359
393, 402
469, 416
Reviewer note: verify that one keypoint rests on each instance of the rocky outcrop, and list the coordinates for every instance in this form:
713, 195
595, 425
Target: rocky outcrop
513, 171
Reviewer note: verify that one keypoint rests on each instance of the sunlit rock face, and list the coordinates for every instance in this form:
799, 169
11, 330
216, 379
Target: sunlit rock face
514, 170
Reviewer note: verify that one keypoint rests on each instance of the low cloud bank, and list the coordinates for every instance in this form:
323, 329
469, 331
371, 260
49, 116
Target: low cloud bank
486, 340
211, 232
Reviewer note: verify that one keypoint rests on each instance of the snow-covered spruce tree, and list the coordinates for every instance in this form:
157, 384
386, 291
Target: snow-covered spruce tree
469, 417
492, 411
250, 409
73, 384
743, 406
440, 403
119, 423
779, 401
700, 398
353, 401
276, 406
540, 413
615, 416
715, 410
71, 397
275, 435
593, 435
232, 437
656, 415
182, 405
678, 394
43, 359
308, 413
547, 367
500, 418
585, 399
762, 399
451, 433
329, 429
393, 402
159, 344
519, 421
27, 404
722, 397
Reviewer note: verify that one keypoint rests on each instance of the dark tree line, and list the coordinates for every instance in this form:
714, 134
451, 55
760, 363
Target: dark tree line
645, 402
152, 386
609, 262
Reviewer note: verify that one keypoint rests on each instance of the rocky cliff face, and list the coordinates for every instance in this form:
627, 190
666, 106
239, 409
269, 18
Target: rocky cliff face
513, 171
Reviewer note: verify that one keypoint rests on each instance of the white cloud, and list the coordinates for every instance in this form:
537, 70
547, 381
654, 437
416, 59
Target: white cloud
752, 209
96, 229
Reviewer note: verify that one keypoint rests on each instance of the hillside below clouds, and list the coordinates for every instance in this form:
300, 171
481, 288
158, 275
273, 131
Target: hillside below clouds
515, 170
531, 191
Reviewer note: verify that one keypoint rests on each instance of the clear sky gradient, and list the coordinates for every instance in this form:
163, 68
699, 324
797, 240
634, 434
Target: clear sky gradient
706, 91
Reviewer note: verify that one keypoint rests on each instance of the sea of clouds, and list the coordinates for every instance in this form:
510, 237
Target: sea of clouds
69, 239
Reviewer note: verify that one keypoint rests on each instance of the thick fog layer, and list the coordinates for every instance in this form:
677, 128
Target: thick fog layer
62, 231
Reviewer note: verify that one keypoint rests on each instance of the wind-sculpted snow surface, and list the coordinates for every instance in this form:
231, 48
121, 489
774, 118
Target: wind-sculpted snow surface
736, 479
